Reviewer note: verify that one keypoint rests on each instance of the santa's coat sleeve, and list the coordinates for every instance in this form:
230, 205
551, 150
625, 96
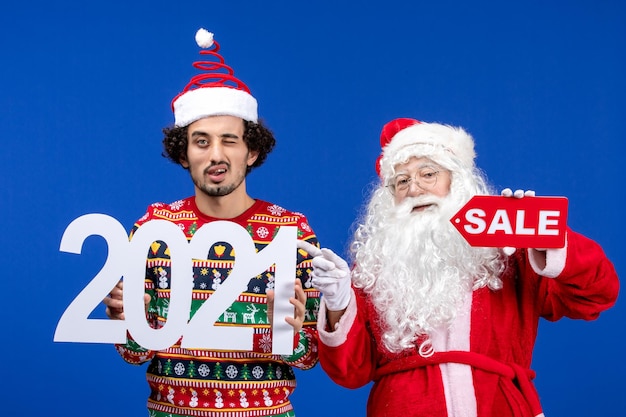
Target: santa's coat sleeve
349, 350
581, 283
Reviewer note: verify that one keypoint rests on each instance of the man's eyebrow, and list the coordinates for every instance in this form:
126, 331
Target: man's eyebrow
196, 133
229, 135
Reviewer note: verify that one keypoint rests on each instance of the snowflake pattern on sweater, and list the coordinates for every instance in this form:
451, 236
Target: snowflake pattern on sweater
185, 382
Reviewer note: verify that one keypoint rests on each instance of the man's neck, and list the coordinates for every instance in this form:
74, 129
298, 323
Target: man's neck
224, 207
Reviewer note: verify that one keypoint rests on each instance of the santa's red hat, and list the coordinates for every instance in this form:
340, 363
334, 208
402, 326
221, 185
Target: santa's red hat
399, 139
215, 91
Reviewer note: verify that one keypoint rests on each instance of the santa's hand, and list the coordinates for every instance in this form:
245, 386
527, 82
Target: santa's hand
331, 277
309, 248
507, 192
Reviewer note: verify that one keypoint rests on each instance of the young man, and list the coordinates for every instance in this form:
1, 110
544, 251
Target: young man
442, 328
219, 140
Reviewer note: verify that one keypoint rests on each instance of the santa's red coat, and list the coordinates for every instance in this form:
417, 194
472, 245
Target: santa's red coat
481, 364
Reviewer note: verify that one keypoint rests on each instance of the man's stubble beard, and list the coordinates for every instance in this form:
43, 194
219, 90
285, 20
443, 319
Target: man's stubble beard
217, 190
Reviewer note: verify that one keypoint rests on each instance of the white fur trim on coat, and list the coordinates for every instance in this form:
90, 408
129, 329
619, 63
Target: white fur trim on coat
554, 262
340, 334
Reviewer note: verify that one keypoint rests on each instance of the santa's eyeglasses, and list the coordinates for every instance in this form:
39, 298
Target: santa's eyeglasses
425, 178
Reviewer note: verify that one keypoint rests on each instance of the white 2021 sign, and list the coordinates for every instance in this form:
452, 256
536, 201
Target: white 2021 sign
127, 258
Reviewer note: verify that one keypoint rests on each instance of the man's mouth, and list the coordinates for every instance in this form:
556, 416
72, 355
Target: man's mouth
216, 173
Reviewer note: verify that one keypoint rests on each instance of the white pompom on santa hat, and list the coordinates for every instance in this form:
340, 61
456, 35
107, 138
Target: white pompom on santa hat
215, 91
398, 134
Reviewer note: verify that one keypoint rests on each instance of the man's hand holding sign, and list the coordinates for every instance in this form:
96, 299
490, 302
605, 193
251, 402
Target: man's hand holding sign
114, 302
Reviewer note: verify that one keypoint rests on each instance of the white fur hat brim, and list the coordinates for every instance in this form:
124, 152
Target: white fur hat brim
214, 101
454, 139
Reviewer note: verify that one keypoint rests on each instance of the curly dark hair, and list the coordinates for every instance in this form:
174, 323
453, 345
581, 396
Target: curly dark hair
257, 137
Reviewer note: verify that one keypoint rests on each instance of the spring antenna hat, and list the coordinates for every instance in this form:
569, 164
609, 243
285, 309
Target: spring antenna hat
215, 90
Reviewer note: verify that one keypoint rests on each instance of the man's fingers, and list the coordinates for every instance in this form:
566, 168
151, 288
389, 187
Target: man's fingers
114, 302
114, 314
298, 307
300, 295
295, 323
118, 291
114, 308
298, 303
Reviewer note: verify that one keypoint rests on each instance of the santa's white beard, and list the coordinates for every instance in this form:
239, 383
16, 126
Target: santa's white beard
417, 269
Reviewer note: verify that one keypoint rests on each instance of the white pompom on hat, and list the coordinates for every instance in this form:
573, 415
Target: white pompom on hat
401, 133
215, 91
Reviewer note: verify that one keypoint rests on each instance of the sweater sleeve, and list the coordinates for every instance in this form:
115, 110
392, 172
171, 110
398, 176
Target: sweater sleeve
134, 354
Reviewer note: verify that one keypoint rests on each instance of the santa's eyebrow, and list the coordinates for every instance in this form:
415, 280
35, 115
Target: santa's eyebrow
421, 166
429, 164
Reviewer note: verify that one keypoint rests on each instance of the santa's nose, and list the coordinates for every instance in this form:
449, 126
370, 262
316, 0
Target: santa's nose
414, 190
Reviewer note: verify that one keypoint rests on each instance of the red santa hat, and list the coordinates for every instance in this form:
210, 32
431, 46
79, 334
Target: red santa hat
215, 91
400, 134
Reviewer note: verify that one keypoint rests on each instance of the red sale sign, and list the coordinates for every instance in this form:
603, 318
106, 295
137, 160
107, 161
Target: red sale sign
528, 222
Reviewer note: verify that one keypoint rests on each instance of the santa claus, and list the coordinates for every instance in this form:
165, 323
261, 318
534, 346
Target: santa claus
440, 327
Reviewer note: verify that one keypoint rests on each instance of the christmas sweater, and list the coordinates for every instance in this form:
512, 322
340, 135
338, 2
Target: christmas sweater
186, 382
479, 364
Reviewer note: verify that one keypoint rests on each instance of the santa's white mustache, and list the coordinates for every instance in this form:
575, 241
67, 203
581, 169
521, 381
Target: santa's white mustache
407, 205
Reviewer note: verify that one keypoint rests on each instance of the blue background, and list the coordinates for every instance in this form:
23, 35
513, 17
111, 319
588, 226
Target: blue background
85, 88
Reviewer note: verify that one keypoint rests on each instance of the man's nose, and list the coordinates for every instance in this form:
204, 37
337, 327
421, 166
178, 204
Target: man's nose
415, 189
216, 152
